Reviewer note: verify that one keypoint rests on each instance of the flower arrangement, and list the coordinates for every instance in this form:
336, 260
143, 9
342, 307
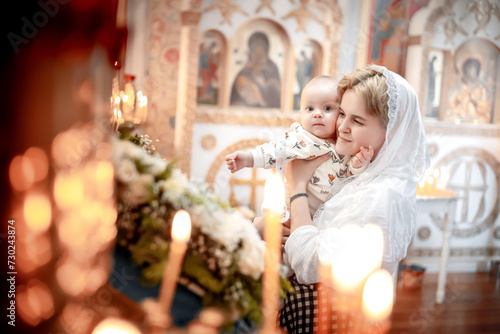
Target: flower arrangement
225, 255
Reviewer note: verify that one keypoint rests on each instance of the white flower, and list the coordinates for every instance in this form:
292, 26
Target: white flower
223, 228
124, 149
251, 261
155, 165
177, 182
139, 191
126, 171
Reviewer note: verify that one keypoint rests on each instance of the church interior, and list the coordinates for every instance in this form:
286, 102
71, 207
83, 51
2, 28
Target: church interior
120, 114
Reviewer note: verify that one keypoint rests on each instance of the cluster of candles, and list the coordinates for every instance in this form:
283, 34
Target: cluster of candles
434, 183
127, 105
65, 224
354, 271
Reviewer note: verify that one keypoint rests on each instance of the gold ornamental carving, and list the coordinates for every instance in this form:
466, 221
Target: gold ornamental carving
190, 18
253, 183
273, 119
208, 142
226, 9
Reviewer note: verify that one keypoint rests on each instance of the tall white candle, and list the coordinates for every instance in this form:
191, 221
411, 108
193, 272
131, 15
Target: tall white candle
181, 232
274, 202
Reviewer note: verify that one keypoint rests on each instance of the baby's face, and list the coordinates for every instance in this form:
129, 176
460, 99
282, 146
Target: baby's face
319, 110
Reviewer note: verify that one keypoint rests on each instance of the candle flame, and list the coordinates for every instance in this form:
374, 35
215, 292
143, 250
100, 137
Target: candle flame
68, 190
39, 159
359, 254
435, 172
37, 212
115, 326
181, 227
274, 193
378, 295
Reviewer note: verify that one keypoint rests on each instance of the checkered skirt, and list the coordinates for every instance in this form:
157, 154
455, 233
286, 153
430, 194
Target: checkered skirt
301, 311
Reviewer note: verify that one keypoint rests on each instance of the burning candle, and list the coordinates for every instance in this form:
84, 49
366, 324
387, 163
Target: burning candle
181, 232
360, 253
274, 202
115, 326
142, 107
324, 296
378, 296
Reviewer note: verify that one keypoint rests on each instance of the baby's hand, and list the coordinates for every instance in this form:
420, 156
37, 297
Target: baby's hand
239, 160
362, 158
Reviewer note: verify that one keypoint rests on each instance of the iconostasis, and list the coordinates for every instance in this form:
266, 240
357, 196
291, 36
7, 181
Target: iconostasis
224, 75
454, 64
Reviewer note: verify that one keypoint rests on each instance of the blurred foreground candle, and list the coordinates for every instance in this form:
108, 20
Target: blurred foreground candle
325, 295
274, 202
360, 253
142, 107
181, 232
115, 326
378, 297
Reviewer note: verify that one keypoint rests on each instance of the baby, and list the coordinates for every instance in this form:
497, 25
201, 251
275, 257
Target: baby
313, 137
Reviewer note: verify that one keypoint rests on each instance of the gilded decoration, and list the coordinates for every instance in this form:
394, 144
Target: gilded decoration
496, 233
226, 9
455, 252
190, 17
208, 142
188, 74
250, 117
483, 10
213, 171
450, 29
462, 130
433, 149
424, 233
265, 4
472, 172
160, 80
302, 15
253, 183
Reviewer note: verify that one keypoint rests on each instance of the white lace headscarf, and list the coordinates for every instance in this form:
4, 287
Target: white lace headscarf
383, 195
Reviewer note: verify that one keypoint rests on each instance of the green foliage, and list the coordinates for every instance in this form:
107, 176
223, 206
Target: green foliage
144, 229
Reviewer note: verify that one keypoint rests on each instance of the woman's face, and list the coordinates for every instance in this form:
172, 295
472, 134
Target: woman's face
356, 127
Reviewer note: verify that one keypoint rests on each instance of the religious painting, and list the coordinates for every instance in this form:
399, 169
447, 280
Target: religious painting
212, 47
256, 66
308, 58
472, 97
389, 32
435, 78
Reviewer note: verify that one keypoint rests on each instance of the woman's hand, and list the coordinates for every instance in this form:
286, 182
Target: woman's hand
298, 172
285, 232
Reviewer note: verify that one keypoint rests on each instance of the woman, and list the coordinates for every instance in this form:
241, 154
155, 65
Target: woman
378, 108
